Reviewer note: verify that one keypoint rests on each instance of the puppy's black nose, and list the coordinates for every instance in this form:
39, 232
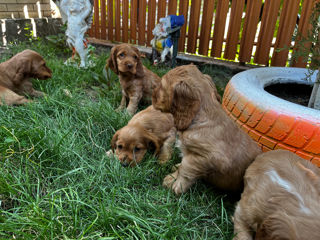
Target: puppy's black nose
125, 164
129, 65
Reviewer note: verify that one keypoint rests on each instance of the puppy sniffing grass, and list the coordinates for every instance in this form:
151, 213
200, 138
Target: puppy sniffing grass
149, 129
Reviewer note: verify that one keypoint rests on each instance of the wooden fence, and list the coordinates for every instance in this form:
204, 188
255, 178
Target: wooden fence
246, 31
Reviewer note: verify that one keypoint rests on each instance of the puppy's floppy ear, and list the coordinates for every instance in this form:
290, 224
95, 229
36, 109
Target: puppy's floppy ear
112, 60
23, 69
215, 94
114, 140
185, 105
139, 68
276, 226
152, 142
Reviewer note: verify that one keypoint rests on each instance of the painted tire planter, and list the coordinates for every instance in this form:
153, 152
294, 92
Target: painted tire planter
272, 122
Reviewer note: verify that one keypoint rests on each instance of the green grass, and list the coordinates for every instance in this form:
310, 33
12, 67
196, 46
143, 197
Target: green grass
56, 181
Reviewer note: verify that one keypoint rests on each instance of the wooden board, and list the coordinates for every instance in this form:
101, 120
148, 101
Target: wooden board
287, 24
219, 27
206, 25
193, 26
268, 23
234, 29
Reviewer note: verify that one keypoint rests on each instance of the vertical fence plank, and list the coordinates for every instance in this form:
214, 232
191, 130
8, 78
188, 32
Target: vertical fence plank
151, 19
193, 26
172, 7
268, 23
249, 30
96, 19
125, 15
161, 9
110, 20
303, 28
219, 27
183, 10
117, 20
234, 29
287, 23
206, 25
103, 19
133, 20
142, 22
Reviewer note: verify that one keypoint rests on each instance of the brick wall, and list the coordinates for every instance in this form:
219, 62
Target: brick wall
24, 8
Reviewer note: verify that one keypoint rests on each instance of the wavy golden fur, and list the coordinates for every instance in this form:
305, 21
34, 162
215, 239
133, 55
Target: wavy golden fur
15, 75
281, 199
148, 129
213, 147
137, 82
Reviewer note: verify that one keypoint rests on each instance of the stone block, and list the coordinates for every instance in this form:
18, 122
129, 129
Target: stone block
46, 13
8, 1
28, 1
15, 7
45, 7
33, 14
48, 26
3, 7
4, 15
17, 29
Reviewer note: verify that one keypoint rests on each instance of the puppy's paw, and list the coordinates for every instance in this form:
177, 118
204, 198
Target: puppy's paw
131, 111
175, 167
179, 187
170, 179
120, 108
164, 157
21, 101
177, 183
110, 153
36, 93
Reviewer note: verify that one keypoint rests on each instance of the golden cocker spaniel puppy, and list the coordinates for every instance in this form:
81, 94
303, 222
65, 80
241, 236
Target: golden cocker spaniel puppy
213, 147
148, 129
137, 82
15, 75
281, 199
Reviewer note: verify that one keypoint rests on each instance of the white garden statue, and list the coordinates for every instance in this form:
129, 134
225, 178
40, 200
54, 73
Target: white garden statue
78, 15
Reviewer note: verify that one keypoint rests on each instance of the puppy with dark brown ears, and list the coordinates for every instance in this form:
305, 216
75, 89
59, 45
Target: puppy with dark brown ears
281, 199
16, 74
137, 82
148, 129
212, 145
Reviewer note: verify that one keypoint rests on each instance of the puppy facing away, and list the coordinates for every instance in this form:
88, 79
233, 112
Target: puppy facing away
137, 82
281, 199
213, 147
15, 75
148, 129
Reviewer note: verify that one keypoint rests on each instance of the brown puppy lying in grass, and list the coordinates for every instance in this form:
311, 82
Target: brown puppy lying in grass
281, 199
137, 82
15, 75
213, 147
148, 129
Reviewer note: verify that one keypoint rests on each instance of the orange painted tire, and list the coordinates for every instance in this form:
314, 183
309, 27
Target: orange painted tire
272, 122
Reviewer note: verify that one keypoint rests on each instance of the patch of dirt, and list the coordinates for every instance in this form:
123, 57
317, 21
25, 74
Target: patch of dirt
296, 93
